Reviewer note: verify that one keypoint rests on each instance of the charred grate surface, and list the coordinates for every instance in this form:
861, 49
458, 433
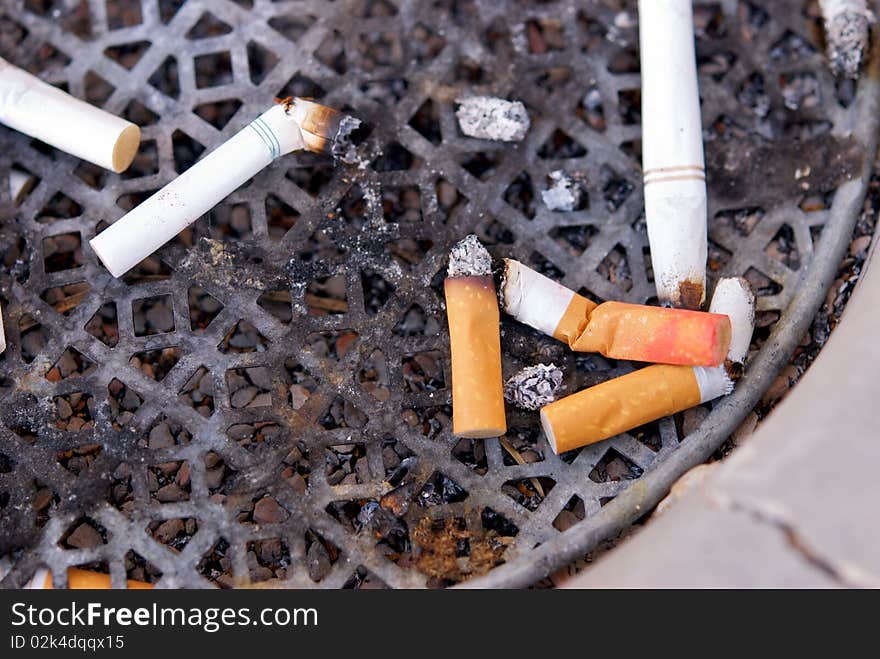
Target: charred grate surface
268, 397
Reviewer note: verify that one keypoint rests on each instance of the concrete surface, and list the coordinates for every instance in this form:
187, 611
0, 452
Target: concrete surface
799, 504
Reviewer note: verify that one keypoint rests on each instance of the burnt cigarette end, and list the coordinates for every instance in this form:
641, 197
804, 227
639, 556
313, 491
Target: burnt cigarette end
690, 294
847, 28
534, 386
324, 129
468, 258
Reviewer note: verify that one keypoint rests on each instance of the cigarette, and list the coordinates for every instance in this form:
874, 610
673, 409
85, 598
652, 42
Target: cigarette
475, 342
77, 579
847, 27
614, 329
2, 334
651, 393
290, 125
674, 171
36, 108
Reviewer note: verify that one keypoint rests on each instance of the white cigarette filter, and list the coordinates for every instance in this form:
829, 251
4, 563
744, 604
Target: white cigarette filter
2, 334
35, 108
672, 152
286, 127
651, 393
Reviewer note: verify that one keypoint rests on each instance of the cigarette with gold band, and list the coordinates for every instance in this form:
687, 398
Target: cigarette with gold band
290, 125
36, 108
673, 165
475, 342
615, 329
651, 393
77, 579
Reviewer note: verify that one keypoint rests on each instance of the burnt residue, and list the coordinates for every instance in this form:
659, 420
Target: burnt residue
768, 171
690, 294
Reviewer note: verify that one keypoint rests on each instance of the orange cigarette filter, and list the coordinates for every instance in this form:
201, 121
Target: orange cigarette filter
475, 342
615, 329
78, 579
627, 402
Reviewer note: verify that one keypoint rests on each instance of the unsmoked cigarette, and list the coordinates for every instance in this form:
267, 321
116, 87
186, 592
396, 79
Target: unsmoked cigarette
672, 152
615, 329
475, 343
36, 108
651, 393
286, 127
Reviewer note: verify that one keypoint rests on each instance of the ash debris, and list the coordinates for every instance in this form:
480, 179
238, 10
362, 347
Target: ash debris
490, 118
565, 192
343, 148
534, 386
468, 258
847, 27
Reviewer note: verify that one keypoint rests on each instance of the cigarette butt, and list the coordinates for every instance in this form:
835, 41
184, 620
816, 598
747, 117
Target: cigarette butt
77, 579
36, 108
475, 343
627, 402
651, 393
734, 298
615, 329
2, 334
672, 152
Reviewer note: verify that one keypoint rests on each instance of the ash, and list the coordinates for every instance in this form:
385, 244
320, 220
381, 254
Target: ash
468, 258
343, 148
847, 25
490, 118
564, 193
534, 386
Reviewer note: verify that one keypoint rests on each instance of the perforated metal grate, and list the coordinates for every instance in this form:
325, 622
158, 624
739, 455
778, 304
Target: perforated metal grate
268, 397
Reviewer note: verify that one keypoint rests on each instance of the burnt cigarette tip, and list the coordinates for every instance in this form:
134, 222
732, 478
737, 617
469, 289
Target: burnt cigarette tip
325, 130
468, 258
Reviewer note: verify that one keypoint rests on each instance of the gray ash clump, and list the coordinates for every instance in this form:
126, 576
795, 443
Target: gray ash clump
490, 118
468, 258
564, 194
534, 386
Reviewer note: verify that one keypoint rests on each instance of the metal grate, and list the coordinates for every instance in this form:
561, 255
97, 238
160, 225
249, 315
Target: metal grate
268, 398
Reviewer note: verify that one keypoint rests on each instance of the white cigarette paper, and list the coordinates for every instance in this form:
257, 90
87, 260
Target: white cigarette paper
672, 152
36, 108
180, 203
